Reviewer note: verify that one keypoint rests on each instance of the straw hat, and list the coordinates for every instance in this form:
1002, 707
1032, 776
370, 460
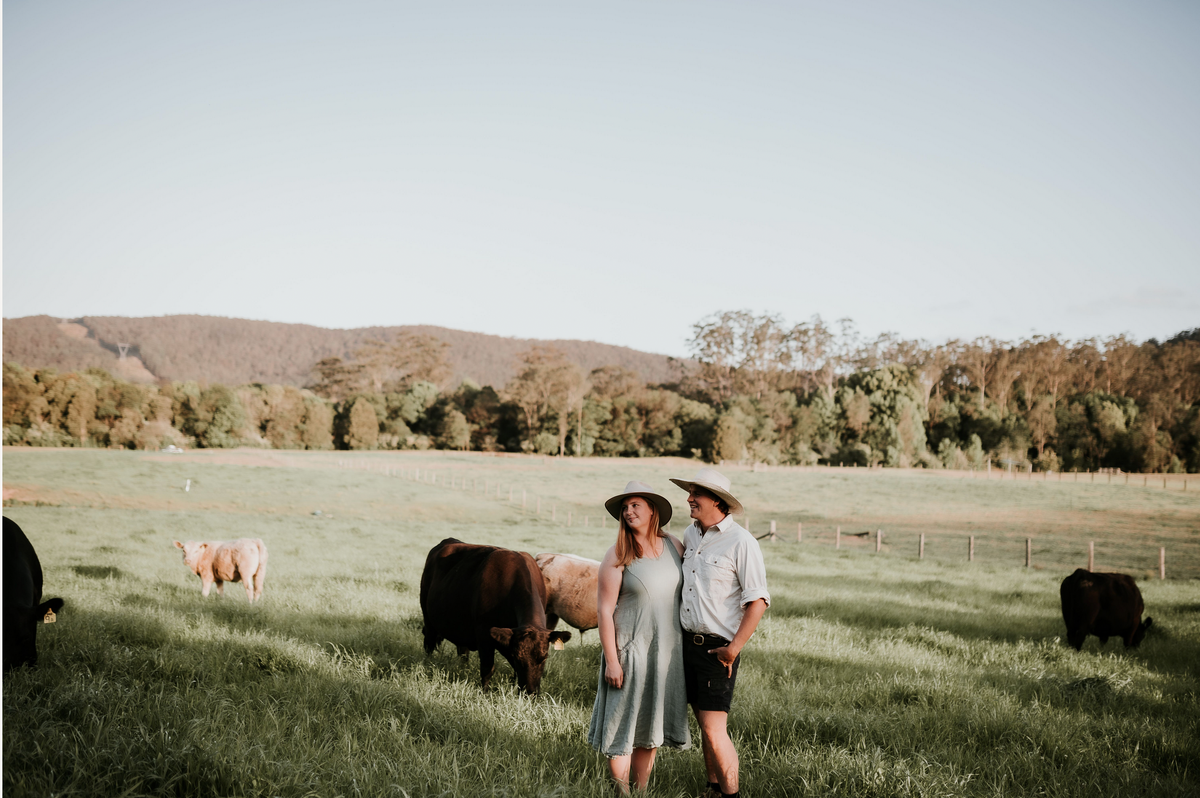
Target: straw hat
635, 488
713, 481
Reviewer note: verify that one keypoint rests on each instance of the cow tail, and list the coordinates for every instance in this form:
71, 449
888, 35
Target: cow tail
260, 576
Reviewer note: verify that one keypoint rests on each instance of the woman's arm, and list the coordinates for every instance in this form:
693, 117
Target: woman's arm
608, 588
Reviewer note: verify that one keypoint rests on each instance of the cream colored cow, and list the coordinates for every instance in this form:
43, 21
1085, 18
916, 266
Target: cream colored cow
570, 589
243, 560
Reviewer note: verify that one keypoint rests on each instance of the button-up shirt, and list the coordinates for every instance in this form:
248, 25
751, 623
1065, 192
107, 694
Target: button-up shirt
723, 571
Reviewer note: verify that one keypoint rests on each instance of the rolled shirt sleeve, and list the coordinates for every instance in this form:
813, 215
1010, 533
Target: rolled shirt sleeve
752, 572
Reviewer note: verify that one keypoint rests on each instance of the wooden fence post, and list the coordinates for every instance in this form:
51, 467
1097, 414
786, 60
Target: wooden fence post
1091, 555
800, 531
1028, 552
921, 548
773, 530
971, 549
1162, 562
837, 540
878, 539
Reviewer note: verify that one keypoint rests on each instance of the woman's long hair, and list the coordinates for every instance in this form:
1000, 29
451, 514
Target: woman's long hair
628, 549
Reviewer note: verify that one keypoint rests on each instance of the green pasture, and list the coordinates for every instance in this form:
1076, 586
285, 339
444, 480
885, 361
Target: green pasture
871, 675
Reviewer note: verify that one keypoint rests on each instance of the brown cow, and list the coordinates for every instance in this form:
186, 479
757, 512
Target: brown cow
570, 590
1104, 605
243, 560
488, 599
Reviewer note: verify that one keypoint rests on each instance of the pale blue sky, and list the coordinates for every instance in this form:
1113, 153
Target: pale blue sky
608, 171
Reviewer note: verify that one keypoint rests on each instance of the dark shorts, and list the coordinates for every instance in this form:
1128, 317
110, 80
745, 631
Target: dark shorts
709, 685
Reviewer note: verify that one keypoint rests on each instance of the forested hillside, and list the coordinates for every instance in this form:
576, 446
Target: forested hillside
236, 351
758, 389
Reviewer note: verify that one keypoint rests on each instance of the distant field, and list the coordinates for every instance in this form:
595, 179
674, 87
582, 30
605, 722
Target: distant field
872, 674
1128, 523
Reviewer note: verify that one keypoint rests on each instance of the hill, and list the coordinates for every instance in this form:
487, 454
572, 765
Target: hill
237, 351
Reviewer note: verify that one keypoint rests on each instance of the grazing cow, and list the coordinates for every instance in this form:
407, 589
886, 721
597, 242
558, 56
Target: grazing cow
243, 560
1104, 605
488, 599
24, 610
570, 590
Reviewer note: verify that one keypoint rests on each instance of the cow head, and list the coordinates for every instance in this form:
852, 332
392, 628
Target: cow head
1141, 631
526, 649
20, 632
191, 552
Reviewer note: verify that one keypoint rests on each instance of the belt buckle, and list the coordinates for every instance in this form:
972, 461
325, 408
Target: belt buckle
698, 639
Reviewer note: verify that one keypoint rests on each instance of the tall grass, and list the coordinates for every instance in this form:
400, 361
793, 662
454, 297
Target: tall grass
874, 675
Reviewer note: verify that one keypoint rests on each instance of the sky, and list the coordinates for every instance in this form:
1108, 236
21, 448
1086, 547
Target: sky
608, 171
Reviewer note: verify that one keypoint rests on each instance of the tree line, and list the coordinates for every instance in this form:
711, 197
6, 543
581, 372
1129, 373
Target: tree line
761, 390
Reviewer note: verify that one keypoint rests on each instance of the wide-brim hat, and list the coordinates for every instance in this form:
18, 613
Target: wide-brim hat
635, 488
714, 482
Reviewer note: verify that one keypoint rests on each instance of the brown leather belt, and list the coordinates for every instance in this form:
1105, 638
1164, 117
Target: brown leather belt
702, 640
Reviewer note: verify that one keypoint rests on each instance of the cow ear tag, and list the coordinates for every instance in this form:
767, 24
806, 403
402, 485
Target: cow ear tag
558, 644
50, 617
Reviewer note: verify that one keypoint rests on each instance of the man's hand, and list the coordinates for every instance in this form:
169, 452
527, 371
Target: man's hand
726, 655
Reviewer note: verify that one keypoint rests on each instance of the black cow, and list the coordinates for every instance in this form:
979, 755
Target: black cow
488, 599
1104, 605
24, 610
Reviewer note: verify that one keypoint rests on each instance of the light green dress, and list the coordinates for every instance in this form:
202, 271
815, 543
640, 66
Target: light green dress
650, 709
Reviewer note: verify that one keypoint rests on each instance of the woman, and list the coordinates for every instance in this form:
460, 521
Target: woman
641, 699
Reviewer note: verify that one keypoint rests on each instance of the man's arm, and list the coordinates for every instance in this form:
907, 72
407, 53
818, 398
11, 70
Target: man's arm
727, 654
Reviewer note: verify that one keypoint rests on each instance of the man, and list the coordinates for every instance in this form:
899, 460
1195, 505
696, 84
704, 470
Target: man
724, 596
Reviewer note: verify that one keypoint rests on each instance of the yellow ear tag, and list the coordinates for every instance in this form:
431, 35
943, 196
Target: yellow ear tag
558, 645
50, 617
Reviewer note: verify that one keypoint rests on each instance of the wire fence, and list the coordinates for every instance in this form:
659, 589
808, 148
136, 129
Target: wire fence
1145, 556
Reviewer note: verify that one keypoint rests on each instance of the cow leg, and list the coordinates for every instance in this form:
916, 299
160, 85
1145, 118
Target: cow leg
487, 664
431, 641
1103, 639
220, 588
463, 651
551, 621
1076, 639
249, 584
205, 586
260, 579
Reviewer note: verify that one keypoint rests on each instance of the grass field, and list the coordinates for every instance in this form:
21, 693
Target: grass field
872, 674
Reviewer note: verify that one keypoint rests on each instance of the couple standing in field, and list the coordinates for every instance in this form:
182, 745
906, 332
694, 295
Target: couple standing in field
673, 618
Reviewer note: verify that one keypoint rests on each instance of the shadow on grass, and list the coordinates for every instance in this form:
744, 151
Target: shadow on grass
164, 713
986, 615
977, 619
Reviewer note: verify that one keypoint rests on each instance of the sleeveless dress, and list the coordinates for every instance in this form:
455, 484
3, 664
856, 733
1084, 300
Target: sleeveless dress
650, 708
